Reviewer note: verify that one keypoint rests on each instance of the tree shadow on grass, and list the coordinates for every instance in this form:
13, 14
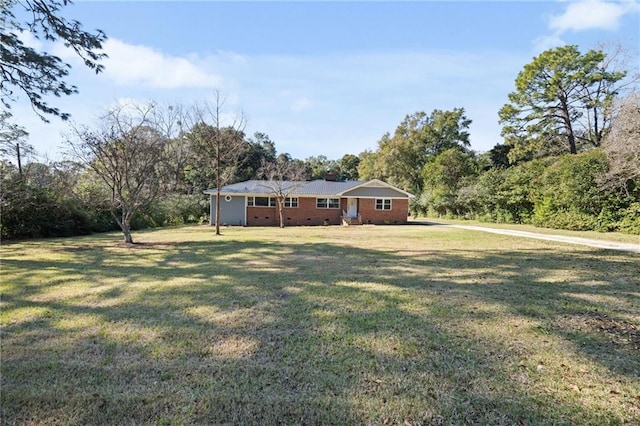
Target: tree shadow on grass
254, 332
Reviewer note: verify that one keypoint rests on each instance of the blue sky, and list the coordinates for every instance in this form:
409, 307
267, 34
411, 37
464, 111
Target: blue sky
324, 78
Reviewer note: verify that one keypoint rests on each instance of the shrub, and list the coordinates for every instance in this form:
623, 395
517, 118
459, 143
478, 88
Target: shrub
630, 222
568, 196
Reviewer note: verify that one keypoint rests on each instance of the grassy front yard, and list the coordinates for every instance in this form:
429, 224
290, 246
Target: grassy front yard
322, 325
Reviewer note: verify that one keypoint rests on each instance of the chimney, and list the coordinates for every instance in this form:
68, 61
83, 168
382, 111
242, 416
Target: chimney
330, 177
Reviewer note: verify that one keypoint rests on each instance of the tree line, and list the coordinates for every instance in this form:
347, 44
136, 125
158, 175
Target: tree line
140, 166
147, 165
569, 158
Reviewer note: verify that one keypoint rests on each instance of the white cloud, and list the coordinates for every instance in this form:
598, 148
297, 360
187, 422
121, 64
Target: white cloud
592, 14
301, 104
543, 43
355, 97
131, 65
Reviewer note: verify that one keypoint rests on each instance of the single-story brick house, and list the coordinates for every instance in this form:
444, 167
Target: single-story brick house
318, 202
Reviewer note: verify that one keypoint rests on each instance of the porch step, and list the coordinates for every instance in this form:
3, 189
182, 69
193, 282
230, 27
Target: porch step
349, 221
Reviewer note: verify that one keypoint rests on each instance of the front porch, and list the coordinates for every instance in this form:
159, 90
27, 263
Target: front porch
351, 215
348, 220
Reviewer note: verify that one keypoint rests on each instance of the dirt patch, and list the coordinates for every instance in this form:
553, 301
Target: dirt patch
618, 332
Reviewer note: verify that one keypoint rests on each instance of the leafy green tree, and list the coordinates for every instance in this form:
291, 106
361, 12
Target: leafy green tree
443, 176
561, 102
567, 195
418, 139
318, 167
39, 74
260, 149
38, 203
348, 167
499, 156
95, 198
504, 195
24, 209
12, 141
217, 151
368, 165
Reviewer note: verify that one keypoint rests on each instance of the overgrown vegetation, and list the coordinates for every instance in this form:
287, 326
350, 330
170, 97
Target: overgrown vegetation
318, 325
569, 158
140, 166
60, 200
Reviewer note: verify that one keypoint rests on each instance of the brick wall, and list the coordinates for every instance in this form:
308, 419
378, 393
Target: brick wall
262, 216
307, 214
398, 213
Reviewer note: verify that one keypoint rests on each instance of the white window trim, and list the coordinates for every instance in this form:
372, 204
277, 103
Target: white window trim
382, 200
251, 202
328, 207
290, 200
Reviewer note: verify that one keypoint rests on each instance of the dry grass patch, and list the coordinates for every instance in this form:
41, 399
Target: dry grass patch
322, 325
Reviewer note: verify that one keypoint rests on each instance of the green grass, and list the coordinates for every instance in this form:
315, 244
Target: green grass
595, 235
320, 325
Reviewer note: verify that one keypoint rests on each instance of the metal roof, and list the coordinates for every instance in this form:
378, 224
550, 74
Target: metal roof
318, 187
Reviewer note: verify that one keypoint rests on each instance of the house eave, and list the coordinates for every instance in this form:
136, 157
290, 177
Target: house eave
377, 183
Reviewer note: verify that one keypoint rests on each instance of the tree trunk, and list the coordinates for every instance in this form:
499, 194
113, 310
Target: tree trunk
124, 222
572, 141
280, 208
218, 178
126, 226
571, 138
127, 235
597, 134
218, 211
19, 160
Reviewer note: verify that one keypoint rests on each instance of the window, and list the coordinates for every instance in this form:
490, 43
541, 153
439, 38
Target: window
261, 202
270, 202
291, 202
327, 203
383, 204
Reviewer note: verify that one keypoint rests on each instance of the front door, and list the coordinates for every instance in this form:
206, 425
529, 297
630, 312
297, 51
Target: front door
352, 207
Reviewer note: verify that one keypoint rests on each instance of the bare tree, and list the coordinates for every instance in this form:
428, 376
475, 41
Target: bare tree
173, 121
599, 96
622, 146
283, 178
126, 151
217, 146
